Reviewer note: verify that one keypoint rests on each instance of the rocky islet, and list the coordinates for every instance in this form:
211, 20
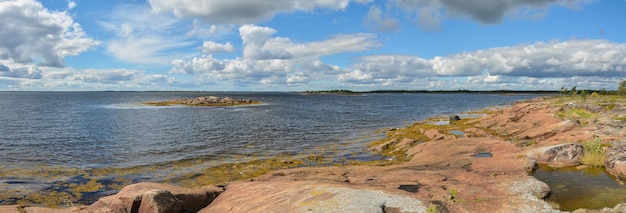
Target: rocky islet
205, 101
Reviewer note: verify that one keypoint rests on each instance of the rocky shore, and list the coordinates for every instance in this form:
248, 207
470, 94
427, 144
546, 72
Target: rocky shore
205, 101
480, 163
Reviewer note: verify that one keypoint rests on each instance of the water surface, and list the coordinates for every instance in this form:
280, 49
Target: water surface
590, 188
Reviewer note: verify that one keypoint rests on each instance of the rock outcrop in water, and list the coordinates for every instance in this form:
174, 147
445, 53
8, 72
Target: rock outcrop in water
205, 101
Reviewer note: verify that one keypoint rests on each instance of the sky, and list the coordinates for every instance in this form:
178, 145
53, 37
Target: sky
301, 45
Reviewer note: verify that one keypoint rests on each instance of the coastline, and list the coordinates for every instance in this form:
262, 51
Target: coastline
441, 166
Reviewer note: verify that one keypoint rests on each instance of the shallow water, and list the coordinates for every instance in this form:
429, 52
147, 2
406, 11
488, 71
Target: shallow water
590, 188
47, 137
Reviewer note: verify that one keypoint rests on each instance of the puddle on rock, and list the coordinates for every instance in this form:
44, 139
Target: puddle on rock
439, 122
483, 155
410, 188
589, 188
458, 133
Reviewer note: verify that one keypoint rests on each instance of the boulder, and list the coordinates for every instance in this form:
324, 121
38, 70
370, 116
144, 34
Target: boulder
434, 135
454, 118
558, 155
131, 198
160, 201
530, 193
616, 160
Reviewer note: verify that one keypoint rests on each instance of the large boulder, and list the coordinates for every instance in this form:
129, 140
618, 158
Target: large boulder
529, 196
561, 155
156, 197
616, 160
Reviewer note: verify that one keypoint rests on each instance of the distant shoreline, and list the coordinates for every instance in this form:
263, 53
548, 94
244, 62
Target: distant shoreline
505, 92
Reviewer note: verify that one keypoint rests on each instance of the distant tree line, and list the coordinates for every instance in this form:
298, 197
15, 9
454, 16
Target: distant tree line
621, 91
341, 91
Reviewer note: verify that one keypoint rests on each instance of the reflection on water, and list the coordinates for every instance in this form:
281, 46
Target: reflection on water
589, 188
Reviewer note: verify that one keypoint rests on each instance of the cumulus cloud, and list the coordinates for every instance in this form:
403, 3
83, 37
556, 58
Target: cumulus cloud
241, 12
566, 59
428, 13
273, 60
213, 47
31, 34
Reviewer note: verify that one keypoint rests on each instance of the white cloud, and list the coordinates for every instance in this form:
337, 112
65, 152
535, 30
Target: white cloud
213, 47
211, 31
69, 79
259, 45
32, 34
144, 38
242, 11
429, 13
71, 5
23, 71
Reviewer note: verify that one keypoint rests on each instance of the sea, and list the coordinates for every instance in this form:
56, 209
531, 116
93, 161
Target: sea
52, 137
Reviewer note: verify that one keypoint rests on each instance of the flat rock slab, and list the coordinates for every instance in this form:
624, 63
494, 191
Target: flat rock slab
306, 196
9, 209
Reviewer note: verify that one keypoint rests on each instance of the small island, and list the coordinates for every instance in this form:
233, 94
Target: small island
205, 101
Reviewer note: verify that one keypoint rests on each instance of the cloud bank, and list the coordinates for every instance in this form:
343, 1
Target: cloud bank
566, 59
267, 60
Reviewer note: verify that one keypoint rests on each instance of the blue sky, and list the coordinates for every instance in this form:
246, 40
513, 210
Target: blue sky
297, 45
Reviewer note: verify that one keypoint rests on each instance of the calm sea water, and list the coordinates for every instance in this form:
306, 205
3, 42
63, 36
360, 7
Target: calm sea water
102, 129
88, 130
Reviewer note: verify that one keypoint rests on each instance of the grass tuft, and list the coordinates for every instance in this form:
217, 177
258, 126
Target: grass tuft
594, 153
